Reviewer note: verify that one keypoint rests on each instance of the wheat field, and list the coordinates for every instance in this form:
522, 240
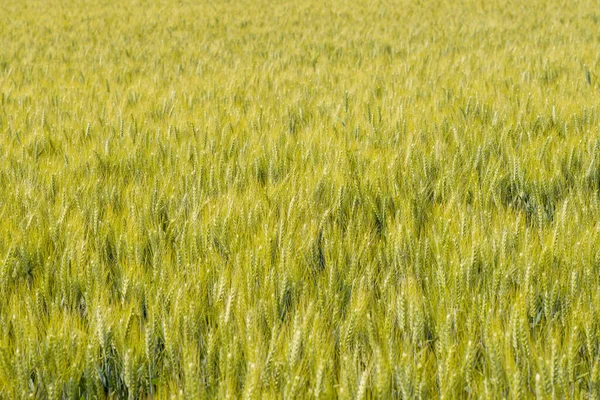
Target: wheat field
314, 199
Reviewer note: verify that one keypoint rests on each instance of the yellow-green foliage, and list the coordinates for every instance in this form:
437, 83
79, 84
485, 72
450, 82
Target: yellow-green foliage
309, 199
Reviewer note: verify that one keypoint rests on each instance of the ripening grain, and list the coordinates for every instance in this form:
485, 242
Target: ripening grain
312, 199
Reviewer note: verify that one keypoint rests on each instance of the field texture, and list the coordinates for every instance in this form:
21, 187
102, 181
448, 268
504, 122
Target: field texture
312, 199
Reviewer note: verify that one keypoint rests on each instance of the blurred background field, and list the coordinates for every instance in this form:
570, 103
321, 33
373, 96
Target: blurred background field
314, 199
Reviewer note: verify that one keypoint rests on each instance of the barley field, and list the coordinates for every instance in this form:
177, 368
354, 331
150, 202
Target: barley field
316, 199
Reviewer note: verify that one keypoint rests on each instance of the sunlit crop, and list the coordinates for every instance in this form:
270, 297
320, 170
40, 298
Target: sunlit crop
309, 199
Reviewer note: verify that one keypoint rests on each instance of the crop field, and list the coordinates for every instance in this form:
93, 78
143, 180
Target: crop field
316, 199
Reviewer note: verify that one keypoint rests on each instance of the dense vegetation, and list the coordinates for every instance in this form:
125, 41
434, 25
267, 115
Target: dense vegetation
308, 199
